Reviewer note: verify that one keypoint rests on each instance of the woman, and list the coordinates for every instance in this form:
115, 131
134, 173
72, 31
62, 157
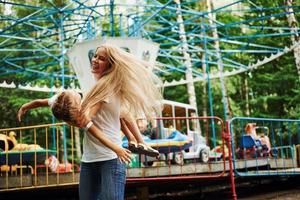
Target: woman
125, 88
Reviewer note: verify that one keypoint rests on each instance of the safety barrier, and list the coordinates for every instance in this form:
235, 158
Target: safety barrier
265, 147
200, 155
45, 155
191, 148
34, 157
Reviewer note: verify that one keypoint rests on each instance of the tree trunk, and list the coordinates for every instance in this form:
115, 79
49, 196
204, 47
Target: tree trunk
246, 91
212, 19
187, 57
293, 24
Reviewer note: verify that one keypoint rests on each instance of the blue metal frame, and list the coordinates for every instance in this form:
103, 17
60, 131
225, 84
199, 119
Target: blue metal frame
286, 170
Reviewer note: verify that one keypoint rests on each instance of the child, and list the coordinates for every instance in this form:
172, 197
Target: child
265, 141
66, 106
250, 130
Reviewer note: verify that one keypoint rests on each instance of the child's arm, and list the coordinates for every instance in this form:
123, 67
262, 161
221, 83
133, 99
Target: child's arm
123, 154
30, 105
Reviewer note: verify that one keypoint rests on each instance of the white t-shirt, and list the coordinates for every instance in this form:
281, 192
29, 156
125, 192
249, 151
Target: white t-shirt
52, 100
107, 119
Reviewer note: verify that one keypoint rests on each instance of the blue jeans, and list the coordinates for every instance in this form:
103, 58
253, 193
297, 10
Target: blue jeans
104, 180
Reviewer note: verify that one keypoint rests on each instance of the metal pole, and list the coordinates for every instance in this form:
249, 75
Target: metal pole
210, 98
228, 139
111, 14
53, 118
62, 65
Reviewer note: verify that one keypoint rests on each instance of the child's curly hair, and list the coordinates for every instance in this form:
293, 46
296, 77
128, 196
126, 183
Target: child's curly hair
65, 108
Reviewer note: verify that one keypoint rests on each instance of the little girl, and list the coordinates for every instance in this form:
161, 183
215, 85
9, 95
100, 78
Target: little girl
66, 106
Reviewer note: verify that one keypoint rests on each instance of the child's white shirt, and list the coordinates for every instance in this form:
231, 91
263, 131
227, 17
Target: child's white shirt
52, 100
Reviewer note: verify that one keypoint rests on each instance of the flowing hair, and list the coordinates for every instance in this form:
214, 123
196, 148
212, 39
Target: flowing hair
131, 79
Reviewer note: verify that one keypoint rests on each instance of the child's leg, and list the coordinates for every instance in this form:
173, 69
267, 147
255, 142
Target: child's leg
143, 147
127, 132
132, 131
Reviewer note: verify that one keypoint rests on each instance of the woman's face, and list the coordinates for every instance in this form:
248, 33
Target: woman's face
99, 63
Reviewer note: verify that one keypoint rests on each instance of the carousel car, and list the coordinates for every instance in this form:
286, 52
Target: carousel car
199, 152
176, 142
177, 148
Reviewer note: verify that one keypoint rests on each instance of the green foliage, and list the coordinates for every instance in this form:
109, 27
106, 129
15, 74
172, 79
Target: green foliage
178, 93
36, 34
272, 89
12, 99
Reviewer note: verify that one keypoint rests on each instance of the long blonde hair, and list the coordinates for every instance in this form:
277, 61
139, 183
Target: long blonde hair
131, 79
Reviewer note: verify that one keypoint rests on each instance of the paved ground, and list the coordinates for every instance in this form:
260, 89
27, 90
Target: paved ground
264, 189
292, 194
272, 189
286, 195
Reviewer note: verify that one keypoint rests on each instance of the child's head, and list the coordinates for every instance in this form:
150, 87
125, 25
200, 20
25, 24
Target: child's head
67, 106
250, 127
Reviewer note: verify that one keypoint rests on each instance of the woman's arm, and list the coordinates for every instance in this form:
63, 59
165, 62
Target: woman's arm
30, 105
84, 118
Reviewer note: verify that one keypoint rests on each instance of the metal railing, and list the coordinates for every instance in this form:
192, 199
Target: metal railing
35, 156
269, 150
38, 156
205, 158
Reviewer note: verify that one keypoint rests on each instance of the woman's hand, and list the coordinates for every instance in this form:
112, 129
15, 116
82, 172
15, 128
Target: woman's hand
124, 155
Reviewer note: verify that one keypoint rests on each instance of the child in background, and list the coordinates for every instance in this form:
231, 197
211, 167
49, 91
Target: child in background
250, 130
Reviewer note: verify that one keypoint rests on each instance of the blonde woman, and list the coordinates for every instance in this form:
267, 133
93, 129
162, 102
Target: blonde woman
125, 88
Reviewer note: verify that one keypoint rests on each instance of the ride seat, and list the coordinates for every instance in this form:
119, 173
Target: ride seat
247, 141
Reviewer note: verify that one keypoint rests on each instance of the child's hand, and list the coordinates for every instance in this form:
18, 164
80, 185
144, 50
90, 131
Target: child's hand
124, 155
82, 120
21, 112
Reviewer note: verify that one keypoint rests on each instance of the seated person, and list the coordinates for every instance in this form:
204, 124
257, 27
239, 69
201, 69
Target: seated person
250, 130
265, 140
147, 129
